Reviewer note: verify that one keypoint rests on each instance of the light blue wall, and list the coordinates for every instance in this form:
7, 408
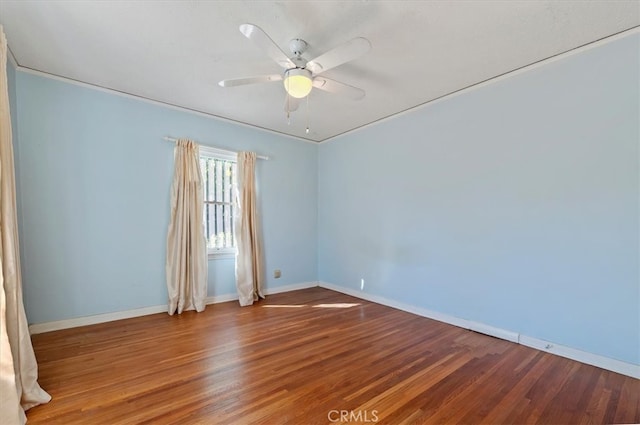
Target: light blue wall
514, 204
11, 82
95, 182
13, 111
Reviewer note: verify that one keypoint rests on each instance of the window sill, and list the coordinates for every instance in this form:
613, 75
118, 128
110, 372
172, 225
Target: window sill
221, 254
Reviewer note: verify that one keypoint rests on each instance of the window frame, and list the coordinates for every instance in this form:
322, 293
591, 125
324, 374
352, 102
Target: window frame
207, 151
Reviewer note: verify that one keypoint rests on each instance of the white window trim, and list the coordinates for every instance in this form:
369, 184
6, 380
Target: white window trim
218, 153
219, 253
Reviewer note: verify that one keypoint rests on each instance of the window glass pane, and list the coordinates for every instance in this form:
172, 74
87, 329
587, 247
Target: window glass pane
219, 178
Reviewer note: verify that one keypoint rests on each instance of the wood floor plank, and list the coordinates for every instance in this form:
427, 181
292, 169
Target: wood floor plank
313, 357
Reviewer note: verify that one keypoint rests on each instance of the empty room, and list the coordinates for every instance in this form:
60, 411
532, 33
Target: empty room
320, 212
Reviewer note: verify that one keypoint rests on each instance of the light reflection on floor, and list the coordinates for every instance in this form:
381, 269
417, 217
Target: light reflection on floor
334, 305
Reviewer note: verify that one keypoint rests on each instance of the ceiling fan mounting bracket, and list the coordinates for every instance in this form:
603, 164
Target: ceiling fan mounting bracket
298, 46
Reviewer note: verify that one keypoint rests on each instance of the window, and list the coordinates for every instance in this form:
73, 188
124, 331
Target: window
219, 178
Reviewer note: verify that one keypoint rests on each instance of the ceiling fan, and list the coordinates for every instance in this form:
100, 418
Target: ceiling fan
300, 75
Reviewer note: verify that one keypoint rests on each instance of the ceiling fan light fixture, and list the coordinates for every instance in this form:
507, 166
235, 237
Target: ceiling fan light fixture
297, 82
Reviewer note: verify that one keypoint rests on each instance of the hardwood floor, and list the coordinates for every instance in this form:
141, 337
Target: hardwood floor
314, 357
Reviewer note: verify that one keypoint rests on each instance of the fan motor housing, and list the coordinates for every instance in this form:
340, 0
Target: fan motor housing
299, 62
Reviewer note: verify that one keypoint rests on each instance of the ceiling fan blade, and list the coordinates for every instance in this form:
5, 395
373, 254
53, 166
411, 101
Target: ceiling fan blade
291, 103
262, 40
339, 55
337, 87
250, 80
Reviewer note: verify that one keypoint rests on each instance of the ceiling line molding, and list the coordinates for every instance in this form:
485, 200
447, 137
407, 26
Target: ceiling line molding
12, 58
156, 102
560, 56
543, 62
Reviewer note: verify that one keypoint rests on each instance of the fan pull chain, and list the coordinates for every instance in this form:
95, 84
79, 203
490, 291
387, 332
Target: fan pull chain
288, 107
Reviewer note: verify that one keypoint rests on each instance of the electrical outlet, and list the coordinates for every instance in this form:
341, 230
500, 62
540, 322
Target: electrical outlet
277, 274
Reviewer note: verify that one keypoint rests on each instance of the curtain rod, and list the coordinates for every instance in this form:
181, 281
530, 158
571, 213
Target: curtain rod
174, 140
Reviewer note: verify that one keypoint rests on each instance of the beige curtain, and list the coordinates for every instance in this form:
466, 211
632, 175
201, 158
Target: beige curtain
249, 256
186, 243
19, 389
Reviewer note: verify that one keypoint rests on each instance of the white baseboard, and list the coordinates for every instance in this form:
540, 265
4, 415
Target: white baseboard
628, 369
441, 317
597, 360
289, 288
217, 299
38, 328
603, 362
493, 331
400, 306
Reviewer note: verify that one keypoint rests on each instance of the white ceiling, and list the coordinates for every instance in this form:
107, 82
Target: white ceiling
177, 51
